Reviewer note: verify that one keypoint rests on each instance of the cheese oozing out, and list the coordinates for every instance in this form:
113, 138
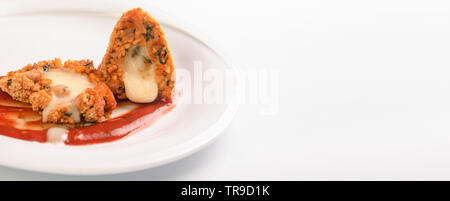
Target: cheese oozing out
57, 135
74, 83
139, 76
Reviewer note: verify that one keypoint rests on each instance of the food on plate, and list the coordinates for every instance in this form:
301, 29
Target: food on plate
138, 64
68, 93
74, 103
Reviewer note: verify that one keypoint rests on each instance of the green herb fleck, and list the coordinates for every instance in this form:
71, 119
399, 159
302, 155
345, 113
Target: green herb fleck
46, 67
148, 33
9, 82
67, 114
88, 64
148, 36
147, 60
148, 28
163, 55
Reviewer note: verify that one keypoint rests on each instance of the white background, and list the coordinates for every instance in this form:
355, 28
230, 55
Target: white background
364, 92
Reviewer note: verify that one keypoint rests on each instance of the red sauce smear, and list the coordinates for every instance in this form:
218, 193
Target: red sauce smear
34, 129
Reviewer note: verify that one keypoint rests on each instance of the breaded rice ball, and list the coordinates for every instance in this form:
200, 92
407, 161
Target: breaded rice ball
69, 93
138, 64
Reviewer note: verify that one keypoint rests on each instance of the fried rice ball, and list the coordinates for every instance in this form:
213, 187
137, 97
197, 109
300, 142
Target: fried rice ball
138, 63
52, 89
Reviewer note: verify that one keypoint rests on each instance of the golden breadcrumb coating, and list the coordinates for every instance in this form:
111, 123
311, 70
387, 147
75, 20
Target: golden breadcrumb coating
30, 85
138, 28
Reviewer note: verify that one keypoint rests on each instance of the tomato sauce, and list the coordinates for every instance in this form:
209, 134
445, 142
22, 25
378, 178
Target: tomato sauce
19, 121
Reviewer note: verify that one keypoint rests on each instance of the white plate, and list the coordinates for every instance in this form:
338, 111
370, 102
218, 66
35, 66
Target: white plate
41, 30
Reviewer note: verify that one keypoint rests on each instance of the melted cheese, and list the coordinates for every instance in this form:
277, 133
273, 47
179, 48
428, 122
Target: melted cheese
139, 76
57, 135
75, 82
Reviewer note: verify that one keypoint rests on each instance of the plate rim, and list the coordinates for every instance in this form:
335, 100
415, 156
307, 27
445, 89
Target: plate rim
185, 149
